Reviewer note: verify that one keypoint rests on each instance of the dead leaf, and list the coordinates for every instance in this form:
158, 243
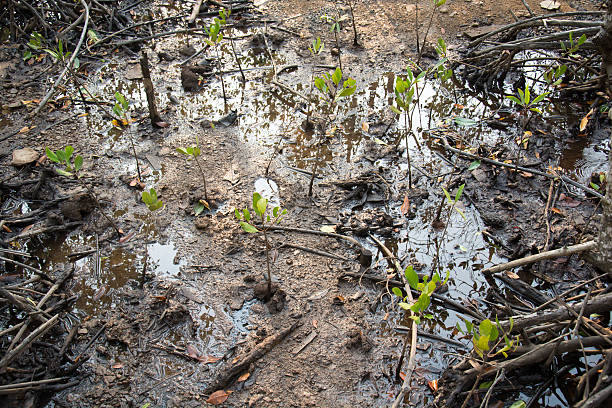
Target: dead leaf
315, 323
526, 174
208, 359
192, 352
127, 237
26, 129
585, 121
402, 375
218, 397
244, 377
117, 366
365, 126
137, 183
330, 229
405, 208
433, 385
512, 275
568, 201
162, 124
557, 211
550, 5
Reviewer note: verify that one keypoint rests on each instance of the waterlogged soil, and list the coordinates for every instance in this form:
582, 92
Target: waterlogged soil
178, 293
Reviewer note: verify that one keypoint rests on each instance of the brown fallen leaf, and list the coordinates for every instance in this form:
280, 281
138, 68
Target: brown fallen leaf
433, 385
585, 121
218, 397
557, 211
244, 377
208, 359
513, 275
127, 237
365, 126
405, 208
117, 366
137, 183
192, 352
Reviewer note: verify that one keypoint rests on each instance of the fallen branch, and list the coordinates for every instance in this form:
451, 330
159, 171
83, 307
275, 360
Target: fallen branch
555, 253
228, 376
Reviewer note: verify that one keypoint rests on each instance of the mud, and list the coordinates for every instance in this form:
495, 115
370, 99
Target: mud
179, 285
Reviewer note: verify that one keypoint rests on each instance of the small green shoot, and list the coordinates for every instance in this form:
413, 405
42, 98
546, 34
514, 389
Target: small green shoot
485, 337
317, 46
453, 201
523, 99
194, 151
426, 287
330, 89
151, 200
267, 220
72, 165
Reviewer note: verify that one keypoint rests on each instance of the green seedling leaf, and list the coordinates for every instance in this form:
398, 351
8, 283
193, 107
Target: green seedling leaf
474, 165
248, 227
63, 172
247, 215
78, 163
484, 385
52, 156
518, 404
458, 194
465, 122
262, 204
69, 150
411, 277
237, 214
514, 99
398, 292
336, 76
448, 197
182, 150
199, 208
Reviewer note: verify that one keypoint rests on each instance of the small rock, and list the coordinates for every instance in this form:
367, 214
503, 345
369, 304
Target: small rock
24, 156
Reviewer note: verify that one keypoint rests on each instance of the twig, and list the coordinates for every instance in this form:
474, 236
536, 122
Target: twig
42, 329
555, 253
68, 65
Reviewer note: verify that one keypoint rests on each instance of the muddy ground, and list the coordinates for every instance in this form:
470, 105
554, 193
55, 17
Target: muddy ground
165, 341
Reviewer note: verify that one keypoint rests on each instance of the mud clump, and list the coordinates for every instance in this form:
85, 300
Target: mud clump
275, 300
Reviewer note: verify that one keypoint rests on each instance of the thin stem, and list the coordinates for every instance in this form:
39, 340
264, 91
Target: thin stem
221, 76
203, 177
134, 151
267, 260
338, 47
408, 150
355, 38
237, 59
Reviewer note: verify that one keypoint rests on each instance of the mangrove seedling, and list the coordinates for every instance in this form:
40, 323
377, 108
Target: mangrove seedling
120, 109
334, 27
260, 206
224, 14
150, 199
426, 287
485, 338
194, 151
215, 36
330, 88
72, 168
351, 8
404, 94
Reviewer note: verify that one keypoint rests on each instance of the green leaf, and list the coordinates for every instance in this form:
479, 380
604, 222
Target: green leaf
428, 316
469, 326
63, 172
336, 76
237, 214
458, 194
398, 292
539, 98
248, 227
395, 110
146, 197
61, 155
465, 122
518, 404
482, 343
460, 212
69, 150
416, 319
411, 277
182, 150
262, 204
76, 63
485, 328
52, 156
514, 99
484, 385
527, 95
448, 197
78, 163
247, 215
198, 208
474, 165
404, 305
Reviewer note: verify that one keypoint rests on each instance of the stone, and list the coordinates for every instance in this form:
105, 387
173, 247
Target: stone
21, 157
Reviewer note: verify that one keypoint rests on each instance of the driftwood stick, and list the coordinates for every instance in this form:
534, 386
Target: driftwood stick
555, 253
150, 92
42, 329
526, 22
227, 376
539, 354
598, 304
194, 12
31, 383
315, 251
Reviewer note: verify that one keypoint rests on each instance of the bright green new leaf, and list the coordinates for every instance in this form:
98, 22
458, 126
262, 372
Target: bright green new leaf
52, 156
247, 215
248, 227
336, 76
237, 214
474, 165
398, 292
411, 277
78, 163
518, 404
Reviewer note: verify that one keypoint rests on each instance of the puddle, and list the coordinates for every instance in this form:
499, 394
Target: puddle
268, 188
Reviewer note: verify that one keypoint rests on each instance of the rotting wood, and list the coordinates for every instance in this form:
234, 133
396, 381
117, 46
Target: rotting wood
227, 376
149, 91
